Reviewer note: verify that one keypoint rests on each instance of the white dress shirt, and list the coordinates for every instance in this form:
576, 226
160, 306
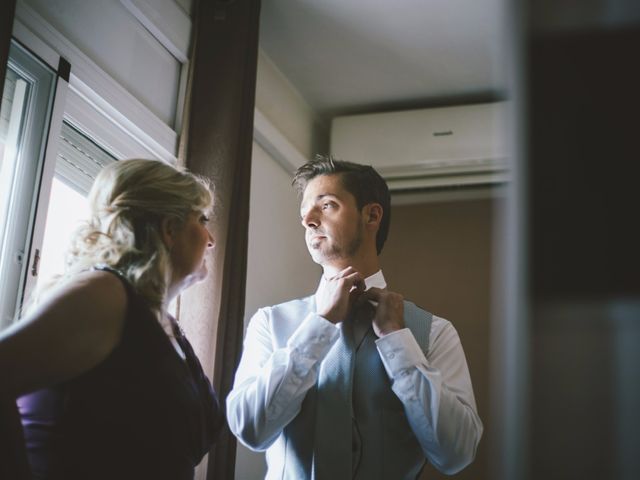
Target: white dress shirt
279, 365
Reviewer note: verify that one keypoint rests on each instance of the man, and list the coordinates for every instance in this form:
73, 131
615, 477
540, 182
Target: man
352, 382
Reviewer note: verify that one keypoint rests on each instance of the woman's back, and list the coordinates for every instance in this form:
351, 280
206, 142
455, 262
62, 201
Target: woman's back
143, 412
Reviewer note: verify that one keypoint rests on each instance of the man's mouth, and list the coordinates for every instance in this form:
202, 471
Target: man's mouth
314, 240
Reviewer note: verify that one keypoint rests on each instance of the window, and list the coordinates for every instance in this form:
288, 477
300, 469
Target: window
25, 114
95, 108
78, 162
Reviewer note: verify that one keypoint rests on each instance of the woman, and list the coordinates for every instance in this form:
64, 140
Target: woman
111, 388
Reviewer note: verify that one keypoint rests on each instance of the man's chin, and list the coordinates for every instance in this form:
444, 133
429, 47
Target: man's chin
322, 257
316, 254
317, 260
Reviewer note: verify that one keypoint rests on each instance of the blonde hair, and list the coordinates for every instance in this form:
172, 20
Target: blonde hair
128, 201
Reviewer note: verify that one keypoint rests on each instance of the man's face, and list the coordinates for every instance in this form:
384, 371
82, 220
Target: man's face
333, 224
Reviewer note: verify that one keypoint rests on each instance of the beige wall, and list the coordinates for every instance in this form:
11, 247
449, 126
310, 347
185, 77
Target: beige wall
438, 255
281, 103
279, 267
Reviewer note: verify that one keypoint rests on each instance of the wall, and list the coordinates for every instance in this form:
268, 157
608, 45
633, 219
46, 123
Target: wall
281, 103
279, 266
438, 255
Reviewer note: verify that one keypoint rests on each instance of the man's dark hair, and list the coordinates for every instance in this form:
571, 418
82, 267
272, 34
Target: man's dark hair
362, 181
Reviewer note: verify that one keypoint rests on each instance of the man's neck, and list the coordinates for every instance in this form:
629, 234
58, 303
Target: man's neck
366, 267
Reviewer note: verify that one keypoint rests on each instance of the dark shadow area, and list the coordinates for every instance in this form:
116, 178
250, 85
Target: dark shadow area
583, 171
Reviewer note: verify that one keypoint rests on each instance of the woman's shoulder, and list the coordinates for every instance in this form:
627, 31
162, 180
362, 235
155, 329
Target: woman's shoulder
71, 330
102, 286
92, 303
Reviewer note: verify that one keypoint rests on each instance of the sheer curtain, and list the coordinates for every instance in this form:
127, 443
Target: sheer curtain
216, 142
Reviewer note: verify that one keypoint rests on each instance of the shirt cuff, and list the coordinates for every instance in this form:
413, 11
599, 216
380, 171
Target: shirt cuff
399, 352
314, 337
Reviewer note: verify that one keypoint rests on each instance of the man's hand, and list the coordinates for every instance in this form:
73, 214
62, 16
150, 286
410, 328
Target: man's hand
338, 293
389, 316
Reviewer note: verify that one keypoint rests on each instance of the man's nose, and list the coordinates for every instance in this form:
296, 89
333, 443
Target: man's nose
310, 219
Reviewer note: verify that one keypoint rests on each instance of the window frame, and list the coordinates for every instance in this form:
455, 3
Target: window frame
94, 103
28, 179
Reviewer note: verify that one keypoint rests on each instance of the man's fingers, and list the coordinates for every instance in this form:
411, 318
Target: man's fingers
340, 274
355, 280
343, 273
374, 294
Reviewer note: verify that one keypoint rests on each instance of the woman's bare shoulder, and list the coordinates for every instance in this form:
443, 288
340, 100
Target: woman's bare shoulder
76, 326
95, 287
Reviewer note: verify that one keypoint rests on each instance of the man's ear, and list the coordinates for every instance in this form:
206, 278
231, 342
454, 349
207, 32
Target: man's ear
168, 229
373, 214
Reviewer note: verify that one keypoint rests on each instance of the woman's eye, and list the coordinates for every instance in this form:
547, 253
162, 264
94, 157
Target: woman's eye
204, 219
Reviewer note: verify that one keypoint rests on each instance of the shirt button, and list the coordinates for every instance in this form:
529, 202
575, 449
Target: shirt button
392, 355
322, 338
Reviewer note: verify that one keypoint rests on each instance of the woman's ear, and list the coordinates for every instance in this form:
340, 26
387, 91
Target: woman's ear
168, 229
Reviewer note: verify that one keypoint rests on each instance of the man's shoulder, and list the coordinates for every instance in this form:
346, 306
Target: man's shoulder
282, 320
417, 317
416, 310
420, 322
436, 321
294, 306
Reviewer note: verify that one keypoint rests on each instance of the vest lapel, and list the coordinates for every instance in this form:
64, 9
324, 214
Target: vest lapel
333, 429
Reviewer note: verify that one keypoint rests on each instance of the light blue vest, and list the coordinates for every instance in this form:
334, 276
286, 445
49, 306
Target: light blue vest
386, 447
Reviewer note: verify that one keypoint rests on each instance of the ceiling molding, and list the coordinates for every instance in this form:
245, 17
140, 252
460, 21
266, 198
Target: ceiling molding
166, 21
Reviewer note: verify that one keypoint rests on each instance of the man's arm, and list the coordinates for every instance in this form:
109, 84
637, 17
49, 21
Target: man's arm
270, 384
436, 393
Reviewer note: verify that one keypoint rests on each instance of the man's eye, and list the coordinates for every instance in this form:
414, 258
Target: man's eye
327, 205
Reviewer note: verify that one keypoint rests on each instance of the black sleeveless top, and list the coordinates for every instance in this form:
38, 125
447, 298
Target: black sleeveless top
143, 412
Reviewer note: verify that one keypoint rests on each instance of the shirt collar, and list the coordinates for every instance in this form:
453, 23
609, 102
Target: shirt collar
376, 280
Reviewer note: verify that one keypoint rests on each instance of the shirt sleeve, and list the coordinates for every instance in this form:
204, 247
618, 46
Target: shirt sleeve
436, 393
270, 384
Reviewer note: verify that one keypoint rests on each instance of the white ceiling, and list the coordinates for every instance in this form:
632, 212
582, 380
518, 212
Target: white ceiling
354, 56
